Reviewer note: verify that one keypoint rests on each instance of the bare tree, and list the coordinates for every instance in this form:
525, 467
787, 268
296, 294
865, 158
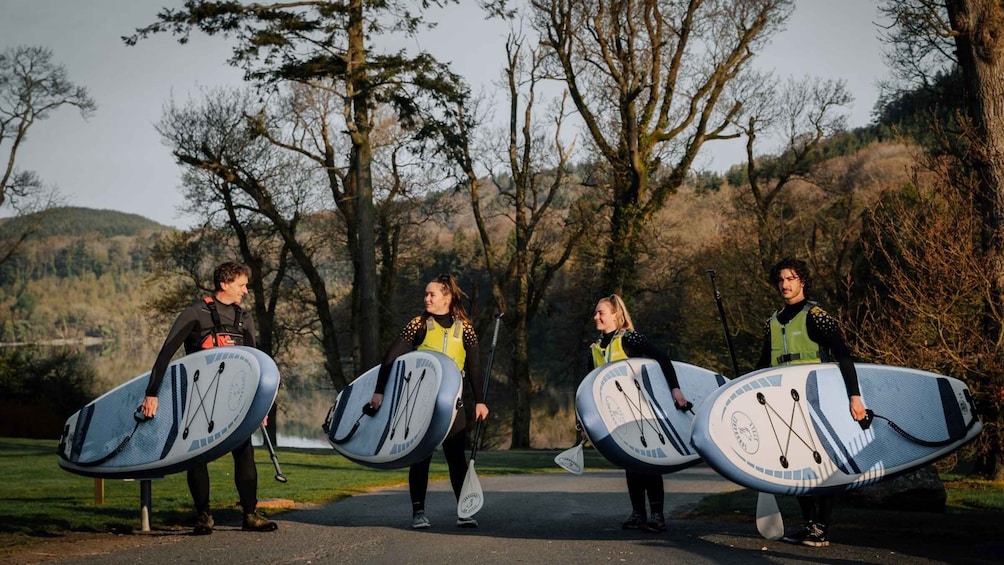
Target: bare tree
32, 86
402, 177
803, 114
649, 79
327, 45
252, 182
526, 238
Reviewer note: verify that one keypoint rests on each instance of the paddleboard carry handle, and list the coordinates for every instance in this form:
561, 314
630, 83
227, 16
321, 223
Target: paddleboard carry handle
866, 422
368, 410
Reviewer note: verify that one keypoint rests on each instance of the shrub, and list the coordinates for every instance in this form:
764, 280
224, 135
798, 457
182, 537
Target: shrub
39, 390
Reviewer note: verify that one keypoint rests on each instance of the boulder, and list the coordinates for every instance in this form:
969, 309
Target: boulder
917, 491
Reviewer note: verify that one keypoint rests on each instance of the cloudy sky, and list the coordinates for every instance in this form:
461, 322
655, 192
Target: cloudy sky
115, 160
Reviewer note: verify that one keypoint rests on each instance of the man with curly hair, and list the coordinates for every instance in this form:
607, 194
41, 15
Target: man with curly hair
802, 332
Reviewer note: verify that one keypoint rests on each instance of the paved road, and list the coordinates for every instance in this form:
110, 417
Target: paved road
540, 518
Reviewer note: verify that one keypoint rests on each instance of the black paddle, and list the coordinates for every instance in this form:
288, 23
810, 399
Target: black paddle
769, 522
271, 453
472, 497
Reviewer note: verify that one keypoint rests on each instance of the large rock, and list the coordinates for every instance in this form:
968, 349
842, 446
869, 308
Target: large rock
919, 491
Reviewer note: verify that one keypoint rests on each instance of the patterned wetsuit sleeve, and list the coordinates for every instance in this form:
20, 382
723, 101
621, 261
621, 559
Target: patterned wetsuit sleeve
637, 345
405, 342
824, 330
764, 360
186, 323
472, 363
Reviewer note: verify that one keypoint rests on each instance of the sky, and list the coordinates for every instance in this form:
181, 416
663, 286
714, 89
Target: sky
115, 160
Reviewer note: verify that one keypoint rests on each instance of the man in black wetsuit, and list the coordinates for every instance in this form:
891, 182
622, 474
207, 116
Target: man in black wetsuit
212, 322
802, 332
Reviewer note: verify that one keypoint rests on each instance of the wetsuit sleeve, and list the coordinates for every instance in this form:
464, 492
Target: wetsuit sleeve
637, 345
764, 361
406, 341
472, 363
824, 330
249, 329
186, 323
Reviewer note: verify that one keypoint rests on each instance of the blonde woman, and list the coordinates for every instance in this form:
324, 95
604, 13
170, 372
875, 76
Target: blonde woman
618, 340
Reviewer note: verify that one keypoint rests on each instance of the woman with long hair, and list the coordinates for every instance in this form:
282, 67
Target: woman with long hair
618, 340
445, 327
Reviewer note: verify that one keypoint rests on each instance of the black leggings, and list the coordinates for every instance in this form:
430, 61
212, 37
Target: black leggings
641, 483
816, 508
245, 477
418, 474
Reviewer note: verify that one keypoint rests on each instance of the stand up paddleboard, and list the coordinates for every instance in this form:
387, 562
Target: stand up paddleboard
788, 430
208, 404
628, 413
419, 404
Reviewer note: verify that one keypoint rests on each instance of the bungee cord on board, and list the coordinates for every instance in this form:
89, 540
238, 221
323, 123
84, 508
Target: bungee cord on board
408, 409
636, 409
190, 416
762, 399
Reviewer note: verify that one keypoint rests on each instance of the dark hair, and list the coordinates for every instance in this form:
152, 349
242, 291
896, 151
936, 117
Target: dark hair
801, 268
228, 272
451, 287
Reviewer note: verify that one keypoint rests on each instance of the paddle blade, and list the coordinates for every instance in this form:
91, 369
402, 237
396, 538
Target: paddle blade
472, 498
768, 517
571, 459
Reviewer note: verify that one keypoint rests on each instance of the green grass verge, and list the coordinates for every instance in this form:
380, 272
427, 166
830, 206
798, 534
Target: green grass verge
41, 500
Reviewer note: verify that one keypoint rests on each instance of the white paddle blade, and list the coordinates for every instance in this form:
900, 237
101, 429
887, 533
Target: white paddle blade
768, 517
571, 459
472, 498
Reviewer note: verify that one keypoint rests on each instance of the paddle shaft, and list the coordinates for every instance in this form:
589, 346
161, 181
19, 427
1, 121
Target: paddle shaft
769, 522
725, 324
488, 378
271, 453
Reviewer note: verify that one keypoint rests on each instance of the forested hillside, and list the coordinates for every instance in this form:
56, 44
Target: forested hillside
82, 274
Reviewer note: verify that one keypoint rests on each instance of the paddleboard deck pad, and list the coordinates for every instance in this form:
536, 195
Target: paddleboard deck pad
788, 430
627, 411
209, 403
420, 402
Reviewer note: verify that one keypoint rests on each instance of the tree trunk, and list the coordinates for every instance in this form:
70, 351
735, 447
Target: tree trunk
979, 40
522, 389
522, 386
618, 270
366, 279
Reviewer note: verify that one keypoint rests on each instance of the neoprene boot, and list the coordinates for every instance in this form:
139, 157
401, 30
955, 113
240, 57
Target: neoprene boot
255, 522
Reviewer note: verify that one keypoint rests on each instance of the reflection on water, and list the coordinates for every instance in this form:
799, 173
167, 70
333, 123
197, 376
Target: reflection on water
294, 441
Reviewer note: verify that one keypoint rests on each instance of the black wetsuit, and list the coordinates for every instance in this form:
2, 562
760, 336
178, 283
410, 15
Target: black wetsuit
453, 446
825, 331
190, 329
639, 483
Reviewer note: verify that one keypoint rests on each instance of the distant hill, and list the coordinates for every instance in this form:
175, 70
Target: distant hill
72, 221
